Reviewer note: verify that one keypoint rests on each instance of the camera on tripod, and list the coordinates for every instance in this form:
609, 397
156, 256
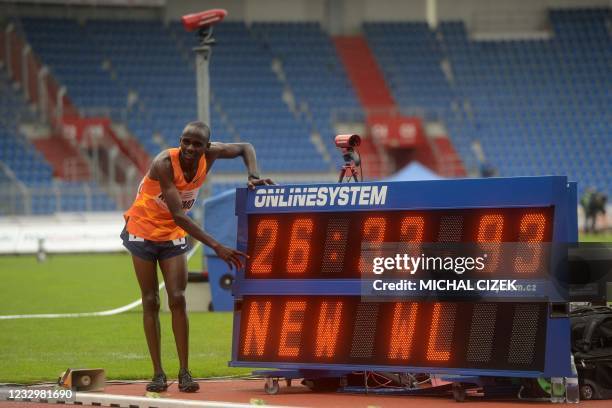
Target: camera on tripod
352, 161
347, 141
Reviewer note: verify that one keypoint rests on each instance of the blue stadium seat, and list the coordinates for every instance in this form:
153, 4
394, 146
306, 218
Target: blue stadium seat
536, 106
103, 61
29, 166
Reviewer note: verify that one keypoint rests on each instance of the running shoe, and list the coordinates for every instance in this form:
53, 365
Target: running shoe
186, 382
158, 383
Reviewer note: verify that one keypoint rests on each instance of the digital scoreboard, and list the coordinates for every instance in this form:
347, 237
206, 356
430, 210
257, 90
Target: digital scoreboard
341, 330
328, 245
299, 303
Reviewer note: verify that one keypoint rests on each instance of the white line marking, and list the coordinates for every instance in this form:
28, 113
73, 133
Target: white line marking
110, 312
87, 398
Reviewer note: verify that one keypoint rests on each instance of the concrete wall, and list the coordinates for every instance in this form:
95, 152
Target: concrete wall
177, 8
338, 16
347, 16
356, 12
10, 9
253, 10
285, 10
507, 16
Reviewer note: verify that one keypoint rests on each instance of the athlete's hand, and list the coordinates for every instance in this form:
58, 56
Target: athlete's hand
231, 256
253, 182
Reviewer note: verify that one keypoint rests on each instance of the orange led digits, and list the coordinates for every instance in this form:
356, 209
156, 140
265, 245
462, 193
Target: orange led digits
490, 231
328, 328
402, 330
291, 332
265, 241
532, 229
490, 228
338, 330
412, 229
441, 334
257, 328
299, 245
335, 245
374, 229
411, 232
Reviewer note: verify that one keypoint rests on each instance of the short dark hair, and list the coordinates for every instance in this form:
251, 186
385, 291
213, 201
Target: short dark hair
197, 128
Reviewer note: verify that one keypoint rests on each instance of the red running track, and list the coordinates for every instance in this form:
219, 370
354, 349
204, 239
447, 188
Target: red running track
251, 391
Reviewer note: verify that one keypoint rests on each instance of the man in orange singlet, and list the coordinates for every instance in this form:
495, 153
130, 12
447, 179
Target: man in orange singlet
155, 231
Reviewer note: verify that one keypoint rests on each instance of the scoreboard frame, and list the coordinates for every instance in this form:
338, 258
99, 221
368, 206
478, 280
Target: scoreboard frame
461, 194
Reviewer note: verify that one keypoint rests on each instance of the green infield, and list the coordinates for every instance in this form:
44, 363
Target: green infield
70, 283
66, 283
601, 237
35, 350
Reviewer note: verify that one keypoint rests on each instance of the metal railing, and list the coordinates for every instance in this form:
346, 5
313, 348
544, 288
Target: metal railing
344, 115
82, 197
14, 195
116, 114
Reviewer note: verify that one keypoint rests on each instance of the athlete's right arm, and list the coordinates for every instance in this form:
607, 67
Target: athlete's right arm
161, 169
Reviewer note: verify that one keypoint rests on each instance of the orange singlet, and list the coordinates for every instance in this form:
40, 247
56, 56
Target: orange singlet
149, 217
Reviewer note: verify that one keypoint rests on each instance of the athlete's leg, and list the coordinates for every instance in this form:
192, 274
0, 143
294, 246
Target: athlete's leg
174, 271
146, 272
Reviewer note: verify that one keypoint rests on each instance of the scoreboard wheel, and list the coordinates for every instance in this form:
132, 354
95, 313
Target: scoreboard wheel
271, 386
586, 392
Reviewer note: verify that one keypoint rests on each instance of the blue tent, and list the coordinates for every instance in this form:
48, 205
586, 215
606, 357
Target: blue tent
220, 221
414, 171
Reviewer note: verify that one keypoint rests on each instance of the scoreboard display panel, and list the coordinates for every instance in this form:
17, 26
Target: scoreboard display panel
298, 301
342, 329
319, 245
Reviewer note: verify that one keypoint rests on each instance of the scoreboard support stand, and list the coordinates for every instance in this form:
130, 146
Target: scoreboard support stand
457, 386
309, 377
306, 306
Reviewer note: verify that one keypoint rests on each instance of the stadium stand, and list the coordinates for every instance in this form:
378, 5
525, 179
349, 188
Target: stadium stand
143, 56
25, 162
249, 94
536, 106
136, 58
63, 46
30, 168
314, 73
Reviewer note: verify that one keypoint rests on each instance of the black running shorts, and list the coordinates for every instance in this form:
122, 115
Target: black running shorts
153, 250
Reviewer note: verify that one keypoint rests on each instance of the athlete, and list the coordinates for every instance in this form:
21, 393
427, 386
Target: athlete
155, 231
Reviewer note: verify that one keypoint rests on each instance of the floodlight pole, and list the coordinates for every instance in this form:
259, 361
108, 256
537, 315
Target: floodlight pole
203, 53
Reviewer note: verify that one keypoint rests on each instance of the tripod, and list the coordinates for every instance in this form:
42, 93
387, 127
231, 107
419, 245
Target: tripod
349, 170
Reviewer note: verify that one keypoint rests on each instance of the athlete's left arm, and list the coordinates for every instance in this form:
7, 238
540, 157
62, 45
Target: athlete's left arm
231, 151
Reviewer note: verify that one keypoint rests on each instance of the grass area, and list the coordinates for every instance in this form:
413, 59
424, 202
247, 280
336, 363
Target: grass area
71, 283
34, 350
40, 349
195, 262
66, 283
603, 237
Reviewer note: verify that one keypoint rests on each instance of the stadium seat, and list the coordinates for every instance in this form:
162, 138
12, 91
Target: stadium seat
536, 106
